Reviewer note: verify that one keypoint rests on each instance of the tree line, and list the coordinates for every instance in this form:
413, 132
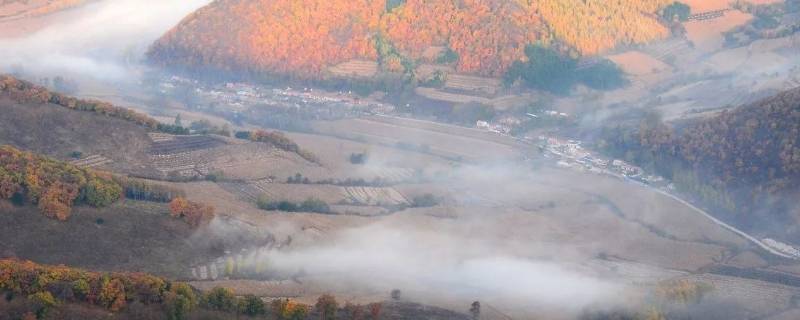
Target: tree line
26, 92
34, 291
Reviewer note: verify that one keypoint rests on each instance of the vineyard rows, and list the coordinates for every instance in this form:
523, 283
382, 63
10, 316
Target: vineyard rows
708, 15
375, 196
92, 161
182, 144
663, 49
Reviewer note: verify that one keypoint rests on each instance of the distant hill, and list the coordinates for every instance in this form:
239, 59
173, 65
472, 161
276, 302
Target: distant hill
745, 161
481, 37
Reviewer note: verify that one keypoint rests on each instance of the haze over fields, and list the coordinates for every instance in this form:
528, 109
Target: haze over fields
399, 159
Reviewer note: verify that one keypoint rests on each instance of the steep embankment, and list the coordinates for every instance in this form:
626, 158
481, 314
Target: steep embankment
476, 36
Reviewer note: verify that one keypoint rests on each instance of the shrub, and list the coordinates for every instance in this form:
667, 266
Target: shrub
242, 135
426, 200
358, 158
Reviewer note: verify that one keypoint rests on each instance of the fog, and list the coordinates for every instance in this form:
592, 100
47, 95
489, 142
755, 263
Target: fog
103, 40
471, 255
384, 257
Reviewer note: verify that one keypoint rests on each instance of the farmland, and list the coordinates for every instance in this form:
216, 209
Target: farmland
442, 182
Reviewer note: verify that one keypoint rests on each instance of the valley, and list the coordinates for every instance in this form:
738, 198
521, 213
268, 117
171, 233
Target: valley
411, 173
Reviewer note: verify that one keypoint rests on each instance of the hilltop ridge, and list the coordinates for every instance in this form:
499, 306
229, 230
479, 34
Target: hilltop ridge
474, 36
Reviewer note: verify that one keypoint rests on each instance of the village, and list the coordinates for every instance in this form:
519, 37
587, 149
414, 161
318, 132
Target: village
234, 99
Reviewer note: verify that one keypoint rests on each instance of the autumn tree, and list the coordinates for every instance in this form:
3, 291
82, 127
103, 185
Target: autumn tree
327, 306
195, 214
54, 186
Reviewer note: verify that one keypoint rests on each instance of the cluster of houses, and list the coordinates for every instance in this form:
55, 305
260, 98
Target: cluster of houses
782, 247
239, 97
570, 154
493, 127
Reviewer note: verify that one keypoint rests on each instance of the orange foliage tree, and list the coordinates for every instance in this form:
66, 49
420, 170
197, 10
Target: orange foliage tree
302, 39
51, 184
195, 214
274, 36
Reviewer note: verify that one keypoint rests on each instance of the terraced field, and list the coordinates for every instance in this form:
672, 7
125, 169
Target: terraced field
92, 161
375, 196
488, 86
355, 69
166, 145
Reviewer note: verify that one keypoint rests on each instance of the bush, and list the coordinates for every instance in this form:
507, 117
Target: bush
215, 176
426, 200
358, 158
242, 135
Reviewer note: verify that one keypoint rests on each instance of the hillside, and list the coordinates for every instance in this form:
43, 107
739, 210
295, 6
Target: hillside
39, 125
479, 36
745, 162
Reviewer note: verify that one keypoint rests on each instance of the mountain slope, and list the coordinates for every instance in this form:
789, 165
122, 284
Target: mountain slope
287, 37
745, 161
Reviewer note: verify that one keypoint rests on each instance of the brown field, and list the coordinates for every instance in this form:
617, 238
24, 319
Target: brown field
707, 35
481, 85
638, 63
355, 68
428, 142
436, 94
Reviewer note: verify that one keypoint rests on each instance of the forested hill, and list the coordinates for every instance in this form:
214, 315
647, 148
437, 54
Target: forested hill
745, 161
303, 38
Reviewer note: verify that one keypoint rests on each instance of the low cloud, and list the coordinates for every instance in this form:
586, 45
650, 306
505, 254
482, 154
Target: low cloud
103, 40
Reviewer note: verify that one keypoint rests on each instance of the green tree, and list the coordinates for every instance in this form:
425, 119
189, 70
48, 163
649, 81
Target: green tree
252, 306
546, 69
676, 11
220, 299
179, 301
